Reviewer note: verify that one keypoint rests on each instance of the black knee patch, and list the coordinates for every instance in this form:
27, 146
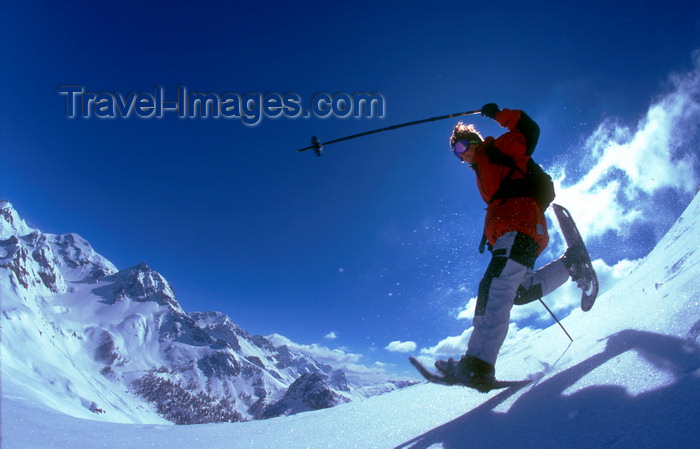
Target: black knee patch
527, 295
494, 270
524, 250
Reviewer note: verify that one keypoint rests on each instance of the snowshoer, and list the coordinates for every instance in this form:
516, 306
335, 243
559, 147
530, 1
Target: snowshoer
516, 231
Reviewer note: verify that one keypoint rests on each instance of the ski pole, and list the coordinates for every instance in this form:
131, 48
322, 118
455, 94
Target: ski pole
317, 146
557, 320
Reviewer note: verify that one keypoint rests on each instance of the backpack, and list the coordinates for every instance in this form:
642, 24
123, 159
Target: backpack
536, 184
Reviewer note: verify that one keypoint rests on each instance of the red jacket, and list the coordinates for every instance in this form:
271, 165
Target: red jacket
521, 214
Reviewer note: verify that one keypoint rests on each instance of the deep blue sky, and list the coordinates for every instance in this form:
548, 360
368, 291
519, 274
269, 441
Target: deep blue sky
355, 242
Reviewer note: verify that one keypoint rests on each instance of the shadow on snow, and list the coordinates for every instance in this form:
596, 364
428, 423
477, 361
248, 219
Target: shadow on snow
596, 416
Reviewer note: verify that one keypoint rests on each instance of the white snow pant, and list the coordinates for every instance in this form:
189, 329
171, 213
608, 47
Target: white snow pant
509, 279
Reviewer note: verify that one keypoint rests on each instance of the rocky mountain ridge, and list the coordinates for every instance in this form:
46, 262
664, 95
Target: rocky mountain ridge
119, 342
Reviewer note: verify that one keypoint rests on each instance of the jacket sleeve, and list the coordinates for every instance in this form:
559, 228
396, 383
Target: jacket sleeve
516, 120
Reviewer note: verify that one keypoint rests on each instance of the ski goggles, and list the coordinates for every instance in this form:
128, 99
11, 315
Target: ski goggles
462, 146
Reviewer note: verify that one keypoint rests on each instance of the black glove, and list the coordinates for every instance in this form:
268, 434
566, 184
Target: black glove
489, 110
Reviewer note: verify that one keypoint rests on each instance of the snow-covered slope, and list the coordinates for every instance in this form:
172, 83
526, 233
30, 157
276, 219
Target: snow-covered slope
630, 379
91, 341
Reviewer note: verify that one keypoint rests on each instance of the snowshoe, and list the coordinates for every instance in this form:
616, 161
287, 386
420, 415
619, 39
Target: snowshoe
577, 259
481, 384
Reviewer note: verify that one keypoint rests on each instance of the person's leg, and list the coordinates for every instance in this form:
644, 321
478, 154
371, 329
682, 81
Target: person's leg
513, 256
542, 282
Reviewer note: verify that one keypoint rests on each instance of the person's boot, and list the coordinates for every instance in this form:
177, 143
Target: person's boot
574, 260
469, 370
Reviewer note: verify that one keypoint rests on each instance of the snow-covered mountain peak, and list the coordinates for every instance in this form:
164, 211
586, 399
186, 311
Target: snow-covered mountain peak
141, 283
78, 260
83, 333
10, 222
45, 263
29, 259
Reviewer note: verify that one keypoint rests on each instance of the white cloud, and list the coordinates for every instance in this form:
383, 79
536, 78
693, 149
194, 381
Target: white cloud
401, 346
320, 353
516, 334
331, 336
625, 168
467, 313
355, 371
449, 346
455, 346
